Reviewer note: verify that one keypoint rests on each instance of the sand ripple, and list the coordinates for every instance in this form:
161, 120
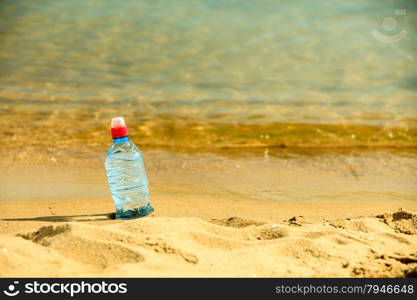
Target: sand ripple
162, 246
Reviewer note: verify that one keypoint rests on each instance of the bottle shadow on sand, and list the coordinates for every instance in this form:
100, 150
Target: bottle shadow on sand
73, 218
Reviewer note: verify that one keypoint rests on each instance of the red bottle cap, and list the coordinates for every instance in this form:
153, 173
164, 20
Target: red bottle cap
118, 128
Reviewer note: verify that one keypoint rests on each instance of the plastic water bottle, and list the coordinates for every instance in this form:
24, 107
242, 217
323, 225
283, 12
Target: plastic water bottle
126, 175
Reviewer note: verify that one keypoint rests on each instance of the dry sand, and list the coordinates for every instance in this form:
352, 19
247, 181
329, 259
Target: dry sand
63, 243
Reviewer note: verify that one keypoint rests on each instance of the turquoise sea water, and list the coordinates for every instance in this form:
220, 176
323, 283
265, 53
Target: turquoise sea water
233, 62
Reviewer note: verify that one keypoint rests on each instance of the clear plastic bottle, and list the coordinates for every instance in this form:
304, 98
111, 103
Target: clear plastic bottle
126, 175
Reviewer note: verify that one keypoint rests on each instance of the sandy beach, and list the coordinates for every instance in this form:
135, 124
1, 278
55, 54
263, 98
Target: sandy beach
279, 138
56, 219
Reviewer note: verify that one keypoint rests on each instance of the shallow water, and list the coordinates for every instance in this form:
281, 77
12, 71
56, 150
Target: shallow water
205, 73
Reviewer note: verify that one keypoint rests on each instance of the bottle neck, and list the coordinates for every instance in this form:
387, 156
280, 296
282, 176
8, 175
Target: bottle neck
121, 140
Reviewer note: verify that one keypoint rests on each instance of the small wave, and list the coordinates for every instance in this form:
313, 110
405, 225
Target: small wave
284, 135
91, 128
